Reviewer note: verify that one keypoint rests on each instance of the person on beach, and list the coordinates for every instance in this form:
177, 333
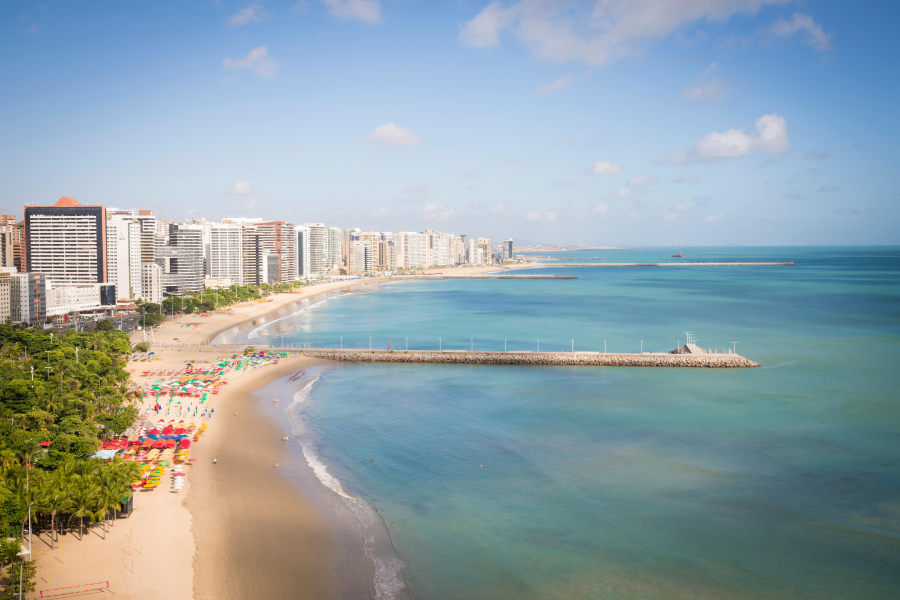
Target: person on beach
215, 460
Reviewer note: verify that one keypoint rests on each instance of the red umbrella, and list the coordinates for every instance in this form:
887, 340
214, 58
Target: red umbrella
168, 430
159, 444
147, 444
185, 443
170, 443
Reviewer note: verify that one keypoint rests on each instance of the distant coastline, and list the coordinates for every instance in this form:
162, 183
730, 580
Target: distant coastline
556, 248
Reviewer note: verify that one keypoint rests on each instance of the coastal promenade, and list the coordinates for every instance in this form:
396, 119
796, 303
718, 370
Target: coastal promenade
588, 359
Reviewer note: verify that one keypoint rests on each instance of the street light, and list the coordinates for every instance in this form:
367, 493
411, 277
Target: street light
573, 346
735, 346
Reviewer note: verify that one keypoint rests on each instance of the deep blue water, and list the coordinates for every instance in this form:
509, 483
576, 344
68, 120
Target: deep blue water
546, 482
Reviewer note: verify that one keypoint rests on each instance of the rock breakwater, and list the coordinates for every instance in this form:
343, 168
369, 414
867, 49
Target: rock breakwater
730, 361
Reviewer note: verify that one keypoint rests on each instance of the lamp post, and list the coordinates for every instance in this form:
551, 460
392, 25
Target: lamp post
370, 342
342, 342
573, 346
440, 346
735, 347
76, 355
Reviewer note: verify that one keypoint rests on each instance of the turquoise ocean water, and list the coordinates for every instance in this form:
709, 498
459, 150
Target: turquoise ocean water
552, 482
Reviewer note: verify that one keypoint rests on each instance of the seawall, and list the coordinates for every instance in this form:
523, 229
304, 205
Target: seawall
596, 359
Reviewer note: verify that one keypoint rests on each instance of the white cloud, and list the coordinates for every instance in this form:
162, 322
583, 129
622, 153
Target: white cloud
711, 92
563, 141
437, 212
547, 216
687, 179
257, 60
770, 137
595, 32
715, 217
378, 212
602, 167
513, 162
414, 193
601, 211
498, 209
394, 135
367, 11
241, 188
472, 175
642, 180
794, 195
828, 187
250, 204
686, 205
251, 14
623, 193
556, 86
477, 203
563, 182
812, 32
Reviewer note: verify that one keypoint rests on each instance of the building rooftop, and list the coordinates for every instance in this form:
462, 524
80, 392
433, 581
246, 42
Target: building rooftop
67, 201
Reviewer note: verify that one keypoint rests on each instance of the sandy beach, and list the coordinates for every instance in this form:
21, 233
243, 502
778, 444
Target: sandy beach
239, 528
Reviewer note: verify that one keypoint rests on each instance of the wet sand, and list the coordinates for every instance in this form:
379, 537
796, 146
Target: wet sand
257, 536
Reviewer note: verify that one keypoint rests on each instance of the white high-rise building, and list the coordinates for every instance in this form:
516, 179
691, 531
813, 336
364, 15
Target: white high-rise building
334, 247
182, 261
225, 252
412, 249
279, 237
123, 256
303, 266
318, 248
470, 252
66, 242
151, 283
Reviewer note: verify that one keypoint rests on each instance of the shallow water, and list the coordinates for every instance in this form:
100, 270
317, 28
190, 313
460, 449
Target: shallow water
555, 482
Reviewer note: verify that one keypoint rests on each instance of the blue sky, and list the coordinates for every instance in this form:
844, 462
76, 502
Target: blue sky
625, 122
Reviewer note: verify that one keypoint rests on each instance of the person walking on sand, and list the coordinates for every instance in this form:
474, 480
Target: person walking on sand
215, 460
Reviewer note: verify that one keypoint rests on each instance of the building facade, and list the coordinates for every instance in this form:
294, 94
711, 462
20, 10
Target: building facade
225, 253
318, 248
27, 298
66, 242
507, 251
151, 283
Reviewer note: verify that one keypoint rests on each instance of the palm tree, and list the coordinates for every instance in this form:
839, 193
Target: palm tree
84, 496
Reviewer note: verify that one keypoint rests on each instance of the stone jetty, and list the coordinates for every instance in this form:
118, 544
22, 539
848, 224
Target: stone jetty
595, 359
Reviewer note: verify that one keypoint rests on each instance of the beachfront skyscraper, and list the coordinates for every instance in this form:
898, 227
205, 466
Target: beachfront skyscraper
507, 251
279, 237
123, 256
303, 252
318, 248
66, 242
253, 258
225, 251
334, 258
182, 261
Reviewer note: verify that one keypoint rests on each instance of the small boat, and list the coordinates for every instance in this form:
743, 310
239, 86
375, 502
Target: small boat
679, 255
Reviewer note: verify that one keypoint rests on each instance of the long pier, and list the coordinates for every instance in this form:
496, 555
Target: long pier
594, 359
668, 264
